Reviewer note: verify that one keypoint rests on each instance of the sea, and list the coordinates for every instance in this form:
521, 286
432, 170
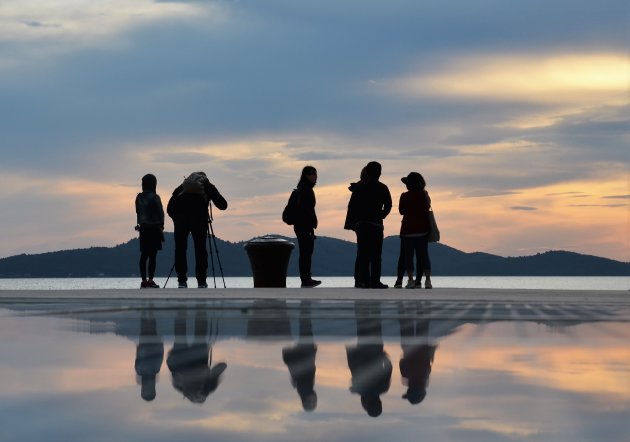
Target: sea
471, 282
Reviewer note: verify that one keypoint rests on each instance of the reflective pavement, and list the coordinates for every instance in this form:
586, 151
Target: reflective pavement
330, 370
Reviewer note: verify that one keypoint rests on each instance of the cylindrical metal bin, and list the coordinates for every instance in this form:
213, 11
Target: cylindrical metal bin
269, 258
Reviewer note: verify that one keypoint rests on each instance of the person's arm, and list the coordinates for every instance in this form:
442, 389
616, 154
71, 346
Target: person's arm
216, 197
387, 203
402, 207
160, 210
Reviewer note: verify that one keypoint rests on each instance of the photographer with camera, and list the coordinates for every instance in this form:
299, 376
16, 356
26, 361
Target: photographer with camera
189, 209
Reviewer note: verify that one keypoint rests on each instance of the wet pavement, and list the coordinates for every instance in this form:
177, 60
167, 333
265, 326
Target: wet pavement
332, 364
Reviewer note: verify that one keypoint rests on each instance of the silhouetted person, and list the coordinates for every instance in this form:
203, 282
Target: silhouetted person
149, 355
414, 206
188, 207
300, 360
369, 205
306, 223
417, 360
369, 365
190, 363
150, 225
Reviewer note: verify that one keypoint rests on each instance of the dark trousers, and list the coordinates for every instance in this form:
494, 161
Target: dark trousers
152, 259
199, 234
419, 245
400, 273
369, 251
306, 243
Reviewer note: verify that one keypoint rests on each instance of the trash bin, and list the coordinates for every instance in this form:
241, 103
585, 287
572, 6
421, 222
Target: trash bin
269, 258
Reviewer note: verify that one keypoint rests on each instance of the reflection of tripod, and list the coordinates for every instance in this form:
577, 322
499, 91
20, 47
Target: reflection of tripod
212, 239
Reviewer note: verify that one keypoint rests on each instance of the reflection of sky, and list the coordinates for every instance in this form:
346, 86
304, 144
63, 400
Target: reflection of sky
499, 381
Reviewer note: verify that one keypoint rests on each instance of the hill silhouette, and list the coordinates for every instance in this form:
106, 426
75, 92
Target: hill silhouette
332, 257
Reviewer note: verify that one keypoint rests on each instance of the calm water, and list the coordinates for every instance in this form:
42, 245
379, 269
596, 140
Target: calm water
506, 282
327, 371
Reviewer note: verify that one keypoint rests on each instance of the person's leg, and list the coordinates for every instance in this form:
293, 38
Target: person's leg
181, 245
423, 245
376, 250
362, 270
306, 244
400, 269
143, 266
418, 267
152, 264
409, 252
200, 234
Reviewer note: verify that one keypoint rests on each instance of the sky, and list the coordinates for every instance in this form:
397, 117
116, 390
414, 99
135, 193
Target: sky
516, 113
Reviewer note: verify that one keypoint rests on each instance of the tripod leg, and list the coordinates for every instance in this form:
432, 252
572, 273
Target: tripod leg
169, 276
214, 238
212, 256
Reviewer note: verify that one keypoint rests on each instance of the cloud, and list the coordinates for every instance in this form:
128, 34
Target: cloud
523, 208
489, 101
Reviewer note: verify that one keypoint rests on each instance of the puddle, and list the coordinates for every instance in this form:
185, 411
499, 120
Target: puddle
299, 370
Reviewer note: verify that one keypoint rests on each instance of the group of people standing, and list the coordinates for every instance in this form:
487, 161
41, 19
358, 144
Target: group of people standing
370, 203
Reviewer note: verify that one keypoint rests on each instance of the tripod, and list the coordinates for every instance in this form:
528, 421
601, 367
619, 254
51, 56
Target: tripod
212, 239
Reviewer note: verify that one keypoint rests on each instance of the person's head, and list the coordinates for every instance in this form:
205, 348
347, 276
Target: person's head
309, 175
372, 405
415, 395
414, 181
149, 183
147, 391
309, 400
373, 170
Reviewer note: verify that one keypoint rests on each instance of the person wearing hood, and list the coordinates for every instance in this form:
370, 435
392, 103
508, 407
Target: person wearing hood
306, 223
189, 208
369, 205
150, 226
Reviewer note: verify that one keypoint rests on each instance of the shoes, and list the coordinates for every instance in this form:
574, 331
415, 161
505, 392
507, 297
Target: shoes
310, 283
150, 284
398, 284
418, 284
182, 285
361, 285
379, 285
410, 284
143, 285
202, 285
427, 284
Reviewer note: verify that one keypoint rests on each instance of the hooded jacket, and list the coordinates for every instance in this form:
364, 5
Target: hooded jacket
193, 207
370, 203
306, 217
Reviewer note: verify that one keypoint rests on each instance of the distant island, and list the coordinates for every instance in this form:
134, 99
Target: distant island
333, 257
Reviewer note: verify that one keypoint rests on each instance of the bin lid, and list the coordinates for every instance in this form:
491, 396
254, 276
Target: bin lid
269, 240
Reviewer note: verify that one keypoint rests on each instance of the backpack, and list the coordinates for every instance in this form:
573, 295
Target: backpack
194, 183
290, 212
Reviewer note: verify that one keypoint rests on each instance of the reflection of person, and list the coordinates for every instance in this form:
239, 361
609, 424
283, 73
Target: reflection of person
306, 223
300, 360
188, 207
149, 355
190, 363
369, 205
417, 360
414, 207
369, 365
150, 225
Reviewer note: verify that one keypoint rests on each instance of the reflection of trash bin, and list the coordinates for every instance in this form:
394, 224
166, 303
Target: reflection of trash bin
269, 258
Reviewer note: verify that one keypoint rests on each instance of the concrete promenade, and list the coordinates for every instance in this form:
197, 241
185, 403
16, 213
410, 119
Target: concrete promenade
622, 298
